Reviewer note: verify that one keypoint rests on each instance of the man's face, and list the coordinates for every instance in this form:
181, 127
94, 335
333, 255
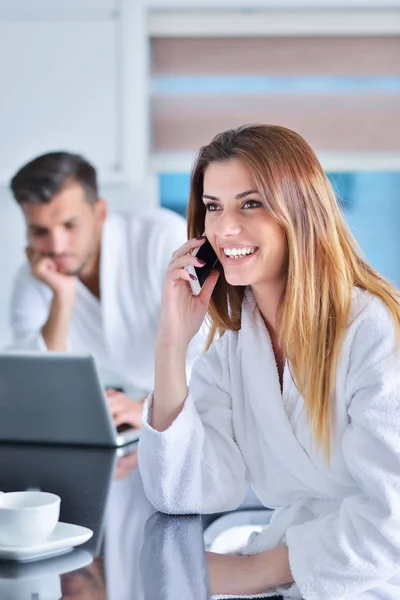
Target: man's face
67, 229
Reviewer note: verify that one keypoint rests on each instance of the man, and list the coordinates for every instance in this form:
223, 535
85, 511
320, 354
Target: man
93, 281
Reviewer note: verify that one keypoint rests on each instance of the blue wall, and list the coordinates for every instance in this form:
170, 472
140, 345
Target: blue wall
371, 203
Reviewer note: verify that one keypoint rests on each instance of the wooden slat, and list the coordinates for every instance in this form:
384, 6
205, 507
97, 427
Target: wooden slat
330, 123
277, 56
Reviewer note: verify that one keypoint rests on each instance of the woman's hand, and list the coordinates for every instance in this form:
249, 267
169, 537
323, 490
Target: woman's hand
181, 317
182, 313
229, 574
254, 574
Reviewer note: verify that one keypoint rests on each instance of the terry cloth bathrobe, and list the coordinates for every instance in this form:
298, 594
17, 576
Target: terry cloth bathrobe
341, 522
120, 329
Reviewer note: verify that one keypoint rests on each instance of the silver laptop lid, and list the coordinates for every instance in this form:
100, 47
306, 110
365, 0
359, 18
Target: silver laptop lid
55, 398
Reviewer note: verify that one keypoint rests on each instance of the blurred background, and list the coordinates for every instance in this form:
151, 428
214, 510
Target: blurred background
138, 85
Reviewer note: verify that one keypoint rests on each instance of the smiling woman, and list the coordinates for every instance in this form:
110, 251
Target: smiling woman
299, 394
248, 240
368, 199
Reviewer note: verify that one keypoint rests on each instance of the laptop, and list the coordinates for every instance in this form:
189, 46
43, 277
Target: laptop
56, 398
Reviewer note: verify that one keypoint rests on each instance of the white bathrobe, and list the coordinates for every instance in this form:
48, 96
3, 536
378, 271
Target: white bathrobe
120, 329
341, 523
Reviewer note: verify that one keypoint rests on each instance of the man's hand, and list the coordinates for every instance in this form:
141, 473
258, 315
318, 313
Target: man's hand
55, 330
45, 269
125, 465
123, 409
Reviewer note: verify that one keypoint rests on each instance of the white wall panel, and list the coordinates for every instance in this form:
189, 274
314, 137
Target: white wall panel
37, 6
58, 90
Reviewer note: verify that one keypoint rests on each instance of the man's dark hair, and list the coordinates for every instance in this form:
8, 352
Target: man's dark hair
42, 178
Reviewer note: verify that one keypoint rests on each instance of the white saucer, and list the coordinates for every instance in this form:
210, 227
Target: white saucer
58, 565
64, 537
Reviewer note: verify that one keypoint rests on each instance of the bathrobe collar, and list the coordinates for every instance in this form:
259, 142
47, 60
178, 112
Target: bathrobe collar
261, 373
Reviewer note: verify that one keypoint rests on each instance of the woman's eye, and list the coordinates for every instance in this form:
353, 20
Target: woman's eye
252, 204
211, 207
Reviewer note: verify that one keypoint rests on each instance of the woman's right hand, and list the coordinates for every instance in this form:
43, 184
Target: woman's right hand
182, 313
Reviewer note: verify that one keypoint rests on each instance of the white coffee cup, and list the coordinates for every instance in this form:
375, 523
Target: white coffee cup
27, 518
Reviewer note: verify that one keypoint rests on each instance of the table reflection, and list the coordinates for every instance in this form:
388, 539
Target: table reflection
43, 580
86, 583
135, 553
173, 546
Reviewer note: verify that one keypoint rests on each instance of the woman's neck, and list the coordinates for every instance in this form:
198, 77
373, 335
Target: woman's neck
268, 297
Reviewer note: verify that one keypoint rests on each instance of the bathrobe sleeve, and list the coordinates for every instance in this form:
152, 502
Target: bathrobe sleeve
358, 547
30, 306
196, 466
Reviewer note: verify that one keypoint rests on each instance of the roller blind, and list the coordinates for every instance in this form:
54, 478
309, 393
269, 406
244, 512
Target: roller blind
341, 93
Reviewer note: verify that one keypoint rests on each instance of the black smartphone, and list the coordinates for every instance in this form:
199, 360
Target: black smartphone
205, 253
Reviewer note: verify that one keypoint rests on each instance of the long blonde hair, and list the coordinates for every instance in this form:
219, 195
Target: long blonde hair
323, 266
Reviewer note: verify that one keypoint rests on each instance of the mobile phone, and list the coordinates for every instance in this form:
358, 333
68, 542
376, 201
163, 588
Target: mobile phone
205, 253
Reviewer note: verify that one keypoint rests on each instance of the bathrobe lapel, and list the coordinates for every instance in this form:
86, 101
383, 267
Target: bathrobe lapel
114, 281
260, 373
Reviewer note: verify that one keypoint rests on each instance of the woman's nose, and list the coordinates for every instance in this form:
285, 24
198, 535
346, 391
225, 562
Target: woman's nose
229, 224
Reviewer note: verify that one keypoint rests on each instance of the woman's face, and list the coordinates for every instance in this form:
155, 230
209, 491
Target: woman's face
248, 241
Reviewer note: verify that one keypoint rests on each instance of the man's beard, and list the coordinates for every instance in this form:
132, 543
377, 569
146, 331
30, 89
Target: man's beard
73, 273
76, 272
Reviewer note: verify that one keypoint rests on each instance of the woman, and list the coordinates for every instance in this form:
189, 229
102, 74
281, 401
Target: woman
300, 394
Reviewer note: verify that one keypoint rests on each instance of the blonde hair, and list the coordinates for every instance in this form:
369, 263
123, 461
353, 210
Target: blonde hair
323, 262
